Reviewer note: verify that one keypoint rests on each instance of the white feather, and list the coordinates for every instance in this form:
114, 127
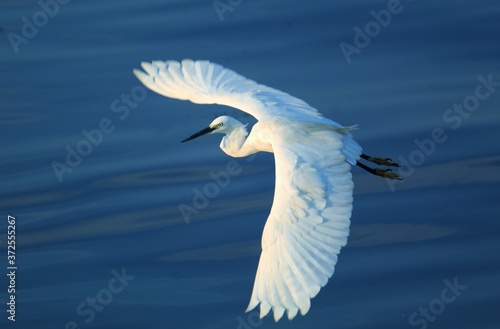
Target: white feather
310, 217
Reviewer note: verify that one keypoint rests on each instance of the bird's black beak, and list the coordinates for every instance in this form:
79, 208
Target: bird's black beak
200, 133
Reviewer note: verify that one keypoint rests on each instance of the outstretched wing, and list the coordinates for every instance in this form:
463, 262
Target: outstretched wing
203, 82
309, 220
310, 217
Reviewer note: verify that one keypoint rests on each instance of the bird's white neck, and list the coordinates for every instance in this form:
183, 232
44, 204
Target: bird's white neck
233, 144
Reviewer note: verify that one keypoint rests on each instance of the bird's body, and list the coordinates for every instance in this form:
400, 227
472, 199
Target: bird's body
310, 217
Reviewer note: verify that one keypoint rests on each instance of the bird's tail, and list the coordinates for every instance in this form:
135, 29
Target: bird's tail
352, 150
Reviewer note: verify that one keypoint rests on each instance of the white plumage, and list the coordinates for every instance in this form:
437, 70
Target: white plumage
309, 220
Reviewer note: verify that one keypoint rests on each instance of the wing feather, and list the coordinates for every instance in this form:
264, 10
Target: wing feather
284, 285
310, 217
309, 221
203, 82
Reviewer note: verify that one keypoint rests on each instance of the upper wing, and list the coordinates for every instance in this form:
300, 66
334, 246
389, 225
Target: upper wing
309, 220
203, 82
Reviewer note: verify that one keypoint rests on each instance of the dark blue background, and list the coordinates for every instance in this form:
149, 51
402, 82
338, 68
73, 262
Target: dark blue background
118, 209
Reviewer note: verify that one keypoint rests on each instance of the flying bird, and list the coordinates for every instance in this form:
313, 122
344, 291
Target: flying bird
310, 216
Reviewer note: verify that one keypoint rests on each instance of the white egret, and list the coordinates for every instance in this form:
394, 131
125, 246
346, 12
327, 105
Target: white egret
310, 216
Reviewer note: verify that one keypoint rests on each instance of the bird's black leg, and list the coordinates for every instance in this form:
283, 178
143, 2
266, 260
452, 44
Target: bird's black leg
386, 173
380, 161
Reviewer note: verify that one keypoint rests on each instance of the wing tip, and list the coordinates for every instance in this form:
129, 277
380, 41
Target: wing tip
278, 311
253, 304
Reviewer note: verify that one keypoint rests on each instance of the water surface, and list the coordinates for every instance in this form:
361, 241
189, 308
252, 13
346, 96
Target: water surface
115, 214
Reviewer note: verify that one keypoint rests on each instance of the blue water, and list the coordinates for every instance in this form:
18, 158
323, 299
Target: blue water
103, 244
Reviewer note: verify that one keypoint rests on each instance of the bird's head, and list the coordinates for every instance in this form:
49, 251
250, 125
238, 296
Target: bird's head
222, 125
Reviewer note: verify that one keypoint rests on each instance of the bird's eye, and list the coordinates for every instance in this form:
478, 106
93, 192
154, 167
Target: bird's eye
220, 124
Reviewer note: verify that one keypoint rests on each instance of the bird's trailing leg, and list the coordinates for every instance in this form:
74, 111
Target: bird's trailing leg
380, 161
386, 173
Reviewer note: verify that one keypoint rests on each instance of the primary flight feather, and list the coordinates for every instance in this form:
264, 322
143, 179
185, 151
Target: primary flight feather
310, 216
